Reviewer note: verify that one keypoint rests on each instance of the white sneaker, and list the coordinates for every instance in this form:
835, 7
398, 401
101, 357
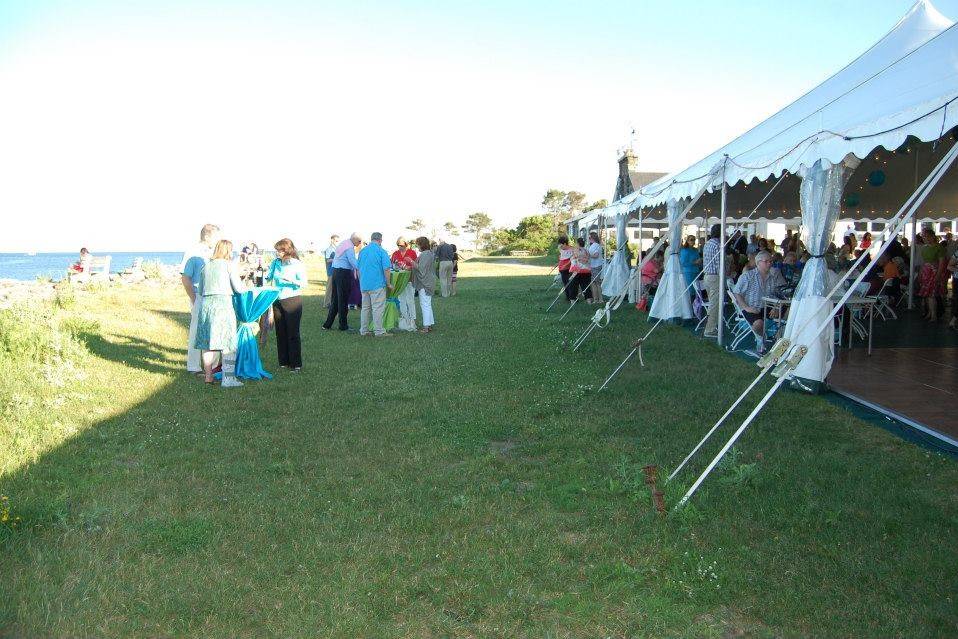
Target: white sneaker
231, 382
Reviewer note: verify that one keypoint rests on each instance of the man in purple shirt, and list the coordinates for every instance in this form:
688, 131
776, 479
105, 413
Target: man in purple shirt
343, 265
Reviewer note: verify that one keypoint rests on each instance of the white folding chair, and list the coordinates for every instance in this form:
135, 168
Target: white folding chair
702, 303
742, 327
882, 299
730, 319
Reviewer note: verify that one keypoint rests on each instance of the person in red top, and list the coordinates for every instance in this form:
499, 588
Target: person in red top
404, 259
565, 263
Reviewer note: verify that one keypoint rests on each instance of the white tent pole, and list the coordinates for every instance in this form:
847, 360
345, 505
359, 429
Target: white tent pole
911, 267
638, 258
911, 247
734, 438
721, 300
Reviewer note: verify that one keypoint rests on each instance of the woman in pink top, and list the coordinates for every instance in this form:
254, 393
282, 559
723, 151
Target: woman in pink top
581, 272
652, 271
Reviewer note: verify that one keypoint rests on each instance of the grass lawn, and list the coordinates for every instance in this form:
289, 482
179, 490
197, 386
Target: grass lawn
465, 483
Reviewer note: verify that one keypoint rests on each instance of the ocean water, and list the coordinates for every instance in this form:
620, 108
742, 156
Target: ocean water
20, 266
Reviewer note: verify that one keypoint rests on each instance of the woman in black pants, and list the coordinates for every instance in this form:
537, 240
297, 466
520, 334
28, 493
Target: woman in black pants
289, 275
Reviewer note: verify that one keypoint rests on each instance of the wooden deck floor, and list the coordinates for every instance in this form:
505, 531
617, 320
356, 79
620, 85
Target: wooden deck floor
919, 383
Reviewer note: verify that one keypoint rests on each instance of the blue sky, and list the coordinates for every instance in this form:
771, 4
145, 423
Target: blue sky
304, 118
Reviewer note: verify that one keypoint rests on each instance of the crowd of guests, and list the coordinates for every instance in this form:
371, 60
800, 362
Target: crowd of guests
210, 276
759, 268
580, 268
359, 275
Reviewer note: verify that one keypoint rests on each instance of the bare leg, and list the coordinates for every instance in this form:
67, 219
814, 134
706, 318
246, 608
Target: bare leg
759, 327
209, 361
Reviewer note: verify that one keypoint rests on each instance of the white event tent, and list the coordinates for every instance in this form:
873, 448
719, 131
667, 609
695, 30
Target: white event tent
854, 147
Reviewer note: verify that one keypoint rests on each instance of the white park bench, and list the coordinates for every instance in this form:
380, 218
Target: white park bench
98, 268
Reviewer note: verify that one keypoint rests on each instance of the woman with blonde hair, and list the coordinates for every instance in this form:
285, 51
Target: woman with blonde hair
288, 274
216, 324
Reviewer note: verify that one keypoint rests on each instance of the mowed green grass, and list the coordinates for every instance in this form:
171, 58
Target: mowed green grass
466, 483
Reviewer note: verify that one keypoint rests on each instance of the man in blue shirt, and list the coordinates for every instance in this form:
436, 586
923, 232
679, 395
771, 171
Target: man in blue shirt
194, 260
344, 268
374, 266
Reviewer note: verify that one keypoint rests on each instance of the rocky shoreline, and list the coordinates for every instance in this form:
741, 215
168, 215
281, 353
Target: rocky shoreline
16, 292
13, 292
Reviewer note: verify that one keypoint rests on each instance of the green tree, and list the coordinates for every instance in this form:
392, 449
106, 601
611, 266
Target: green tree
498, 239
417, 225
553, 203
478, 223
598, 204
574, 202
451, 228
562, 205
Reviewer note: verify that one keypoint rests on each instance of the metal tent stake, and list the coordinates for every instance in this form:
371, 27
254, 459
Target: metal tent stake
559, 295
637, 349
784, 371
767, 362
571, 306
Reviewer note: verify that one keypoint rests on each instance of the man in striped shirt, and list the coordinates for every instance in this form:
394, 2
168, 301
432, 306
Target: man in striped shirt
710, 268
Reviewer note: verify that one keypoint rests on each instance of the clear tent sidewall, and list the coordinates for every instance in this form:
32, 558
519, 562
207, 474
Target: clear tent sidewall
616, 274
820, 194
671, 301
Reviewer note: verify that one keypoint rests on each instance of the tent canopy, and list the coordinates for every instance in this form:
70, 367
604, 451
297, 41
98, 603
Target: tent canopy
888, 108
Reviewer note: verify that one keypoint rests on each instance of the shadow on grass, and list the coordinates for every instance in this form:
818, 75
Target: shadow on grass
133, 351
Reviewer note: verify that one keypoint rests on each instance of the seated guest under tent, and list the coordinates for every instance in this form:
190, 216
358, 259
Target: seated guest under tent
755, 284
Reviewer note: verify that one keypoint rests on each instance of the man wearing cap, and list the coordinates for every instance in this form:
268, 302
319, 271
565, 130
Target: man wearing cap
374, 284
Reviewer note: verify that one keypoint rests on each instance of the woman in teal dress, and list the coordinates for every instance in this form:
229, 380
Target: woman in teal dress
691, 261
216, 322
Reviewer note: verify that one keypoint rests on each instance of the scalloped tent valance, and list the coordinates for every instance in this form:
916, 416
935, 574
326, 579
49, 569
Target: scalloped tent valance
888, 107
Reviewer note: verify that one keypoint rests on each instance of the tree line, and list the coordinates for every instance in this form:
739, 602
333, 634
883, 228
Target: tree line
534, 233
